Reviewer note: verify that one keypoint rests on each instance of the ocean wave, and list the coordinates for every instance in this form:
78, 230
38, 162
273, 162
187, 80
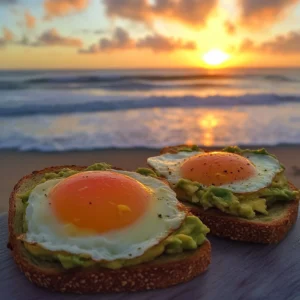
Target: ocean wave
117, 86
12, 85
250, 125
124, 83
134, 81
116, 78
279, 78
145, 86
181, 77
103, 103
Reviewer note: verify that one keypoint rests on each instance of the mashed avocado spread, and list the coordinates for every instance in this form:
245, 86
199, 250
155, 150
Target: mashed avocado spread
146, 172
245, 205
190, 235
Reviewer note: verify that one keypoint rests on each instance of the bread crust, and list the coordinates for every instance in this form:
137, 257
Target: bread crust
165, 271
240, 229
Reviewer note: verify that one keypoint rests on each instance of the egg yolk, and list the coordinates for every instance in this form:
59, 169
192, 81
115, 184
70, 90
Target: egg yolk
217, 168
99, 201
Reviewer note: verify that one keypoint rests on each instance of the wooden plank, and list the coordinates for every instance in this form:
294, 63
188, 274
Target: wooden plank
238, 271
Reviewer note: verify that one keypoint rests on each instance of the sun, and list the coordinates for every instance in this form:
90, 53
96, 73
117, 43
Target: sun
215, 57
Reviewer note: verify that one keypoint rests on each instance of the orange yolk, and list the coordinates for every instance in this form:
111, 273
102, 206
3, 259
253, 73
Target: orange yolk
99, 201
217, 168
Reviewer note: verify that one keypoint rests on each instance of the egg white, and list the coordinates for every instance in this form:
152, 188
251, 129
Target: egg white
266, 166
132, 241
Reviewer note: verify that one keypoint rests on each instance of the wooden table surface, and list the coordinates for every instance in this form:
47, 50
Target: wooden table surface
238, 271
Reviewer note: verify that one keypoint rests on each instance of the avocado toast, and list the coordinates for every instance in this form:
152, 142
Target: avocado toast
179, 257
260, 207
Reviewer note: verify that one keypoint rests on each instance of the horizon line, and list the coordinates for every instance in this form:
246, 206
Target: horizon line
141, 68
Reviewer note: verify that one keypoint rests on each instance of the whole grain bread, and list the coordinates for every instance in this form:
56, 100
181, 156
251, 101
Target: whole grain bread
164, 271
262, 229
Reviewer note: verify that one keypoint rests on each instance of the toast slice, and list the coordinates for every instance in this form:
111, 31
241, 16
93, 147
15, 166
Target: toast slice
262, 229
164, 271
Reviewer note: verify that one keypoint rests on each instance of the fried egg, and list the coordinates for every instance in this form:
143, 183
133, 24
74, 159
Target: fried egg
105, 215
244, 173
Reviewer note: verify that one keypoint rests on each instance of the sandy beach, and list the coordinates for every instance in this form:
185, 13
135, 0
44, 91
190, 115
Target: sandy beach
14, 164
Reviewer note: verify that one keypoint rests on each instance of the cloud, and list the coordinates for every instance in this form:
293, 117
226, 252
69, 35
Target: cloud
230, 28
53, 38
136, 10
94, 48
289, 43
160, 43
8, 35
49, 38
93, 31
99, 31
258, 13
29, 20
2, 42
190, 12
59, 8
25, 41
155, 42
120, 39
281, 44
247, 45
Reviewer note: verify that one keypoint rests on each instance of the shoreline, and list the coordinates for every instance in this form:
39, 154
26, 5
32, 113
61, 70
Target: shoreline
142, 148
16, 164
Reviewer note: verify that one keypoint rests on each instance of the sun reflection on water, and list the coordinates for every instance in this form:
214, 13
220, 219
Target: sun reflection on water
207, 124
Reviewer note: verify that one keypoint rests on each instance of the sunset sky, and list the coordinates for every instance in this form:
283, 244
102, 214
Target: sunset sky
83, 34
